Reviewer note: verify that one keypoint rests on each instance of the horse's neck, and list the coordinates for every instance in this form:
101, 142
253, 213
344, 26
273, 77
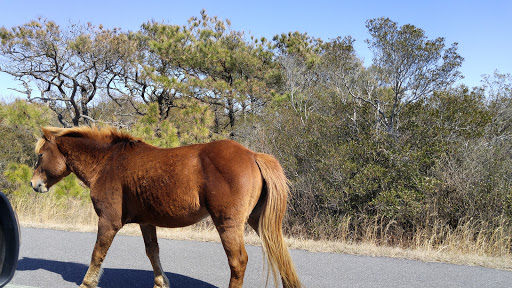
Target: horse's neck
85, 160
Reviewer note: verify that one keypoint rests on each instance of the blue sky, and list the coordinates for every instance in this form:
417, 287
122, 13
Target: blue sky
483, 29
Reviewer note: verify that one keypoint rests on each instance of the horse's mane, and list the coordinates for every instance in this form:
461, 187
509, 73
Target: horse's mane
107, 135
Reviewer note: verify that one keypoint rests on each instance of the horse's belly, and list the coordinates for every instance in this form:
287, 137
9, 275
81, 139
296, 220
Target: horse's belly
167, 210
177, 218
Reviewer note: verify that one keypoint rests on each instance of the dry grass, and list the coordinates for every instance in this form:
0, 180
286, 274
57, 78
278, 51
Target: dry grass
470, 244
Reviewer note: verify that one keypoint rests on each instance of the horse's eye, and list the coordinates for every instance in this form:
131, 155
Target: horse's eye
39, 157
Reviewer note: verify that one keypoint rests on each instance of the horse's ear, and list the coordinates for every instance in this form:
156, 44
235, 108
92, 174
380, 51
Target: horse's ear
48, 134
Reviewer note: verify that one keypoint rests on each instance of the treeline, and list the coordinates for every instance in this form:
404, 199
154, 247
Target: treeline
397, 142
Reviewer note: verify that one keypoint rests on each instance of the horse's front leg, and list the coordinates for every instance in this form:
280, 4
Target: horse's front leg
106, 232
152, 251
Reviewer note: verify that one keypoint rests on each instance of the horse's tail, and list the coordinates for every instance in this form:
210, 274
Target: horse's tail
271, 220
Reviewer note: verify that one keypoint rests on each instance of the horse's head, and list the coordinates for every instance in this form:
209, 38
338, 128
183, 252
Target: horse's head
51, 165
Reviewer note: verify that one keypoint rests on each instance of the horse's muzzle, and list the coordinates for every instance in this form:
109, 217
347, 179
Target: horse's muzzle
39, 186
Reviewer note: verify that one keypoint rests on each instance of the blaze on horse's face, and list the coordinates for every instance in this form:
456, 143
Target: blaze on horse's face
50, 168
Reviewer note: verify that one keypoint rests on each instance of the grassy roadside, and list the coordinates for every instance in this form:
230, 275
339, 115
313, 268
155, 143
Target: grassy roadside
75, 215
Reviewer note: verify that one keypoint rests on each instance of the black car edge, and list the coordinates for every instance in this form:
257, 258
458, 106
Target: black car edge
9, 241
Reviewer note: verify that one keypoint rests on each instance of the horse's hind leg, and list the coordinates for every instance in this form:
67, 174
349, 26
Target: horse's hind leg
152, 250
232, 234
254, 217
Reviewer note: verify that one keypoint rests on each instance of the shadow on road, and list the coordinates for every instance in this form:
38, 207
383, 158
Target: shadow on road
111, 277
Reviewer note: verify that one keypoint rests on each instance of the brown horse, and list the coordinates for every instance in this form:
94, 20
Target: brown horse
133, 182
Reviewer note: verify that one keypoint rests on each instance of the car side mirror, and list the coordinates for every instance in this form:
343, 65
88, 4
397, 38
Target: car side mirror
9, 241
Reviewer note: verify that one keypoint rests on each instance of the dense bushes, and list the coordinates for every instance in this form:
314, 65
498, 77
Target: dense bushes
446, 166
449, 165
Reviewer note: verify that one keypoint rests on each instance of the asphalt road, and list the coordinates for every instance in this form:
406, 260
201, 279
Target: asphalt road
50, 258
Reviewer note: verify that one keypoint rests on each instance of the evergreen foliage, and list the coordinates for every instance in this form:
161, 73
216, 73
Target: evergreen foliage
397, 141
